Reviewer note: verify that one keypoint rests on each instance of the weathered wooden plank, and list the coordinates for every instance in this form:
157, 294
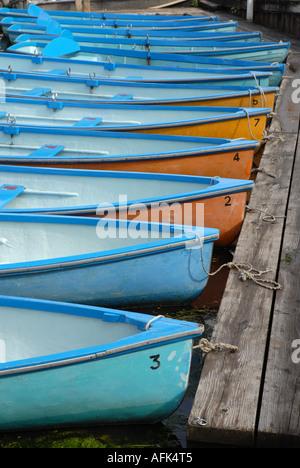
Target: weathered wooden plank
279, 422
228, 395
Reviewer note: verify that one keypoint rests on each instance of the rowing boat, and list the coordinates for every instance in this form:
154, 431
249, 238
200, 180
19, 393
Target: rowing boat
65, 47
12, 65
119, 151
202, 121
54, 360
164, 70
44, 18
181, 45
68, 88
103, 261
197, 201
53, 29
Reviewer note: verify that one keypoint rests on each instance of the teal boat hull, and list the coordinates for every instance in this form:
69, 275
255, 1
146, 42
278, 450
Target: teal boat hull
119, 53
194, 70
138, 375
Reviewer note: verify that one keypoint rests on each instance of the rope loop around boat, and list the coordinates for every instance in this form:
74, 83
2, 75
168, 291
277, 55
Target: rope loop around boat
206, 346
249, 124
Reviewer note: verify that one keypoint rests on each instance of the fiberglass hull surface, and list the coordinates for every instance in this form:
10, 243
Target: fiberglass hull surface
93, 277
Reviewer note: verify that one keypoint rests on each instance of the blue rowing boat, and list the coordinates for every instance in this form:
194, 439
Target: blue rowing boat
93, 72
53, 29
52, 26
187, 21
54, 361
196, 70
65, 47
178, 45
79, 259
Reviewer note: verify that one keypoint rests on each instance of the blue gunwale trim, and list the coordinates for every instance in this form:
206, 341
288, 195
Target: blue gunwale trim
184, 235
218, 187
162, 331
229, 111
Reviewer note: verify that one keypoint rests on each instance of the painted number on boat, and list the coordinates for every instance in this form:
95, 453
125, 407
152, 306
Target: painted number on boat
156, 361
228, 202
236, 157
256, 122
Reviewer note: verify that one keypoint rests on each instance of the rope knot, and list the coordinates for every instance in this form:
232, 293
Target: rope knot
207, 347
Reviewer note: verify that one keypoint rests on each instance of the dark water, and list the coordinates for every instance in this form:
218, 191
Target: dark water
171, 433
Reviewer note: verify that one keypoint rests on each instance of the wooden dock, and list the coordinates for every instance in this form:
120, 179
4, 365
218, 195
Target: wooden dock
251, 398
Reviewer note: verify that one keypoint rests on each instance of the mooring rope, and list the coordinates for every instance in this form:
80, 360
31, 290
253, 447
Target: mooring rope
206, 346
262, 170
246, 271
269, 218
249, 124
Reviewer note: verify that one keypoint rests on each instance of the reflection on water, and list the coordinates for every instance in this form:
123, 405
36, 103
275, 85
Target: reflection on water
171, 433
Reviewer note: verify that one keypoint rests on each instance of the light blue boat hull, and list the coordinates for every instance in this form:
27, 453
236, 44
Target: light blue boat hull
34, 32
210, 71
261, 52
44, 18
141, 378
124, 276
184, 68
178, 45
229, 27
